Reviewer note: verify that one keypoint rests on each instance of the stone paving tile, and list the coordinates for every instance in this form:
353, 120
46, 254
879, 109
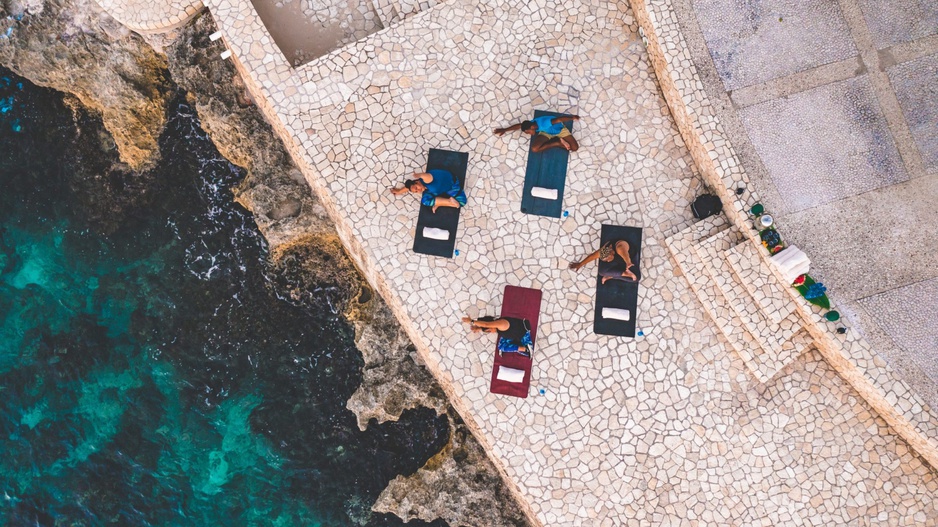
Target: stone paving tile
893, 22
908, 314
916, 86
772, 38
667, 428
824, 144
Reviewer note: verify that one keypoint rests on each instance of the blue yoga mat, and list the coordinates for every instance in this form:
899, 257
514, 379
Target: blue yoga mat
548, 170
619, 293
446, 218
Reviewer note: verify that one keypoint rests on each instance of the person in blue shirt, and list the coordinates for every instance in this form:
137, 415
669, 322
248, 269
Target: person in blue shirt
549, 132
439, 188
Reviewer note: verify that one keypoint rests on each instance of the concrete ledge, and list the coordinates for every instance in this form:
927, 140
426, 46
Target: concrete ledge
850, 355
152, 16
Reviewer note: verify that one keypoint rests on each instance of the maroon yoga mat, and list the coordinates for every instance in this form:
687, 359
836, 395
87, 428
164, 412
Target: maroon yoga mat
519, 302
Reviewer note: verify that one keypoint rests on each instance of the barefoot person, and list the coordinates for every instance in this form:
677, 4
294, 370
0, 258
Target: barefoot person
549, 132
614, 262
439, 187
514, 334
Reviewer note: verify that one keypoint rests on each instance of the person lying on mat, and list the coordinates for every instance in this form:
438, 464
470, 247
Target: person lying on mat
439, 187
614, 262
550, 132
514, 334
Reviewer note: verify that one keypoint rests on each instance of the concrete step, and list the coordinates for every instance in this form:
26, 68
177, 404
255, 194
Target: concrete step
681, 246
771, 335
759, 281
764, 345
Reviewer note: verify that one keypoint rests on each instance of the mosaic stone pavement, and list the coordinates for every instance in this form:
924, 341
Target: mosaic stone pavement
670, 428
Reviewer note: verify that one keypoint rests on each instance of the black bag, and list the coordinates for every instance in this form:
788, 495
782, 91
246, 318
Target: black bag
705, 206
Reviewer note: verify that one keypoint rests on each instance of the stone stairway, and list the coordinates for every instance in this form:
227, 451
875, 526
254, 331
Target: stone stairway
745, 300
391, 12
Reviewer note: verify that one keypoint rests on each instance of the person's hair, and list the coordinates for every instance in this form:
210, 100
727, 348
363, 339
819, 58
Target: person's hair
526, 125
411, 182
606, 251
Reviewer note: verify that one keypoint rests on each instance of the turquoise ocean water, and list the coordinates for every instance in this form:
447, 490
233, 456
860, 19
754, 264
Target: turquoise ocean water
150, 373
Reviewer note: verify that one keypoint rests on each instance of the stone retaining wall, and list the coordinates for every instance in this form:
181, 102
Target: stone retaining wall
849, 354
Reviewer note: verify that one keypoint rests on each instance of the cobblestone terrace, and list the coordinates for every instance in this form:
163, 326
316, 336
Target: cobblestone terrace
666, 429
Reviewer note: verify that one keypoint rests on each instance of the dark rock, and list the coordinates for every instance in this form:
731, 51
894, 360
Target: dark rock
74, 47
287, 208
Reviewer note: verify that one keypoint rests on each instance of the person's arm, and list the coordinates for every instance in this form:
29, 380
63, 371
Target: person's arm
425, 177
577, 265
512, 128
565, 118
498, 323
428, 200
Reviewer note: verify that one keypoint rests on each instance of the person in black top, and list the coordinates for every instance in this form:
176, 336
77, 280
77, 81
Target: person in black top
614, 262
514, 334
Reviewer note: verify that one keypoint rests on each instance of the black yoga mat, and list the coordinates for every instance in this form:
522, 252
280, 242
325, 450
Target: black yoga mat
619, 293
548, 170
445, 217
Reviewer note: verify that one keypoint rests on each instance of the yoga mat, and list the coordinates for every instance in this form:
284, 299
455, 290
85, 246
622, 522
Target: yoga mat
548, 170
618, 293
446, 218
518, 302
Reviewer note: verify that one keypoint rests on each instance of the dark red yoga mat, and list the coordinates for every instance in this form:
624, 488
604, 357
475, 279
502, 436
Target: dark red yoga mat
519, 302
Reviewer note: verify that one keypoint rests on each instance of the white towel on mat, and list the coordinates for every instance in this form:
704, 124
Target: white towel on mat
544, 193
435, 234
616, 313
509, 374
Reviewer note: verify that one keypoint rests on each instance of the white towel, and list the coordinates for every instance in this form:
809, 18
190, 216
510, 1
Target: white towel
435, 234
509, 374
544, 193
616, 313
792, 262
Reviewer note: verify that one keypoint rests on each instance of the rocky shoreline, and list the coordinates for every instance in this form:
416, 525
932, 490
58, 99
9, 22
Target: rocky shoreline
74, 47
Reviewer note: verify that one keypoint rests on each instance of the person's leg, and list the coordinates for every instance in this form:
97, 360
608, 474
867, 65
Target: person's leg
539, 141
487, 323
550, 142
622, 249
570, 143
460, 198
